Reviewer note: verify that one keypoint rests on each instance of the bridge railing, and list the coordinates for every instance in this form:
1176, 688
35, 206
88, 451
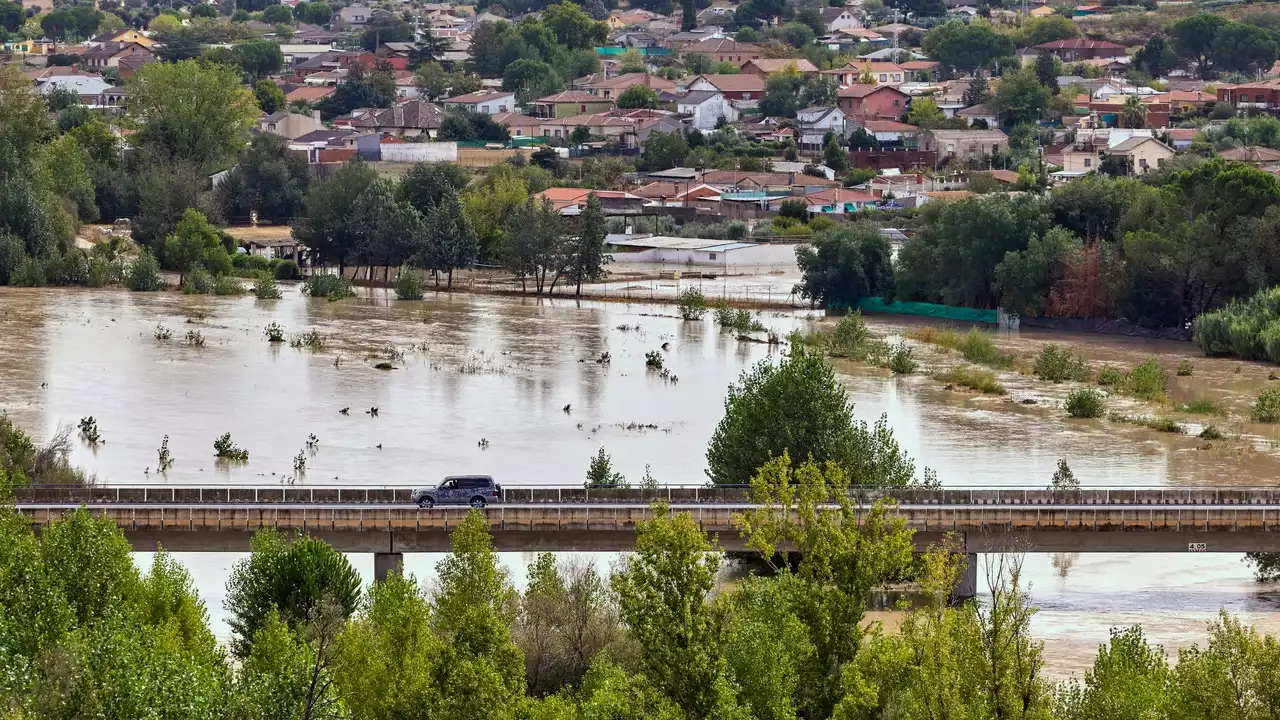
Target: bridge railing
169, 494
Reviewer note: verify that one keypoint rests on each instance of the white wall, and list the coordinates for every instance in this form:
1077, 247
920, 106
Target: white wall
775, 254
420, 152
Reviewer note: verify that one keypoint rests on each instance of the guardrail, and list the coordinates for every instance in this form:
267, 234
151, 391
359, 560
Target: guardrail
212, 495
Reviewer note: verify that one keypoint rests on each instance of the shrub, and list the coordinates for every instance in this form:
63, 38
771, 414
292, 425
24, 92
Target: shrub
265, 288
851, 336
1147, 381
934, 335
144, 273
1063, 478
982, 381
197, 281
1266, 409
653, 359
1110, 377
600, 472
334, 287
1056, 363
1211, 432
1186, 369
1085, 403
692, 304
408, 285
1248, 329
227, 285
225, 449
900, 360
310, 339
274, 333
1202, 406
28, 273
287, 270
978, 347
195, 338
104, 272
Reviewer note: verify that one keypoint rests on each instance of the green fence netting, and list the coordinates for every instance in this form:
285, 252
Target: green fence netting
941, 312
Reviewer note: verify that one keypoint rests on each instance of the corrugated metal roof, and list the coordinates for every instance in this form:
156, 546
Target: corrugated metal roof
680, 243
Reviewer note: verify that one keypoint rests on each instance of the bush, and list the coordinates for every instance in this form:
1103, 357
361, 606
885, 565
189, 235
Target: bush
408, 285
653, 359
197, 281
1186, 369
1266, 409
934, 335
600, 472
1248, 329
28, 273
900, 360
1202, 406
225, 449
227, 285
1085, 403
144, 273
982, 381
265, 288
1110, 377
692, 304
978, 347
104, 272
274, 333
1147, 381
1056, 363
287, 270
334, 287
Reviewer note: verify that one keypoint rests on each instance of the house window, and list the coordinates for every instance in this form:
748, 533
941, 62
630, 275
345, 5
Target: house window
713, 255
582, 108
1142, 163
1088, 162
883, 77
1260, 98
896, 103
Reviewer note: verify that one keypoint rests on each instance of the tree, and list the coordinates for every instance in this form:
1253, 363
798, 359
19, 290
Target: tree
314, 12
782, 94
11, 16
288, 583
844, 264
268, 179
196, 243
391, 232
462, 124
662, 592
1229, 678
1129, 680
638, 96
363, 87
1026, 277
384, 28
434, 82
664, 151
289, 672
278, 15
589, 258
566, 619
535, 246
1047, 71
1155, 57
573, 28
190, 111
62, 163
978, 91
451, 244
488, 205
1020, 98
966, 48
1242, 48
269, 96
426, 183
925, 113
530, 79
1134, 112
259, 57
1192, 40
798, 407
480, 673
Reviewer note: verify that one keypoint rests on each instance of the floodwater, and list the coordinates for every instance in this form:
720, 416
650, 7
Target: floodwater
512, 387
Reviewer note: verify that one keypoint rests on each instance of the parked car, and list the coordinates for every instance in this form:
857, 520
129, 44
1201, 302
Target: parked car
474, 490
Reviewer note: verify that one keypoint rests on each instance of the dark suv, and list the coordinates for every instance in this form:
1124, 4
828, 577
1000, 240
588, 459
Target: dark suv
474, 490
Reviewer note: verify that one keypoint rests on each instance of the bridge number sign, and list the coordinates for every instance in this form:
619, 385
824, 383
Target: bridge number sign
1197, 547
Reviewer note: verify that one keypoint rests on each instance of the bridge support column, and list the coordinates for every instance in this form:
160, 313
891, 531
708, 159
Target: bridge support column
967, 586
385, 563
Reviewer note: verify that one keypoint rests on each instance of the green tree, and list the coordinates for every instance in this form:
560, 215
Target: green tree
11, 16
588, 256
269, 95
1232, 677
451, 243
798, 407
574, 28
62, 163
316, 13
782, 94
1192, 40
385, 28
78, 542
364, 87
426, 184
1025, 277
328, 229
481, 672
662, 592
1242, 48
1134, 112
844, 264
966, 48
1020, 98
289, 672
1047, 71
638, 96
290, 582
1129, 680
196, 242
1155, 57
488, 205
391, 232
664, 151
925, 113
268, 179
190, 111
978, 91
259, 57
567, 619
535, 245
278, 15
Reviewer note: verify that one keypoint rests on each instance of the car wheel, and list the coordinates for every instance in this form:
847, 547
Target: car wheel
477, 502
426, 502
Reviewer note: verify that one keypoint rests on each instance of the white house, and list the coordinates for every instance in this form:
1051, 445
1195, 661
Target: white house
816, 122
706, 109
484, 101
839, 18
979, 112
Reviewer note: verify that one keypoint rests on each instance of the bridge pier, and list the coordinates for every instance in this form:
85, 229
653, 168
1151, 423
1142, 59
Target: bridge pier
384, 563
967, 586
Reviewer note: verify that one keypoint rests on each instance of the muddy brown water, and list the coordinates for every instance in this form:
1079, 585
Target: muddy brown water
472, 367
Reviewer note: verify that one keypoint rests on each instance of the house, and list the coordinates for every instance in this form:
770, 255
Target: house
1251, 154
1264, 94
332, 60
572, 201
307, 34
290, 125
1181, 102
881, 73
839, 18
815, 122
611, 88
838, 201
126, 35
1181, 139
397, 54
915, 70
768, 66
870, 102
744, 89
1073, 49
1144, 153
94, 92
707, 109
1084, 155
300, 52
352, 16
977, 113
110, 54
963, 145
741, 180
891, 132
519, 125
571, 102
413, 119
484, 101
724, 50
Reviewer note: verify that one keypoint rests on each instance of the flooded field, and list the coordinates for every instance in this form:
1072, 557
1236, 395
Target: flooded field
514, 387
